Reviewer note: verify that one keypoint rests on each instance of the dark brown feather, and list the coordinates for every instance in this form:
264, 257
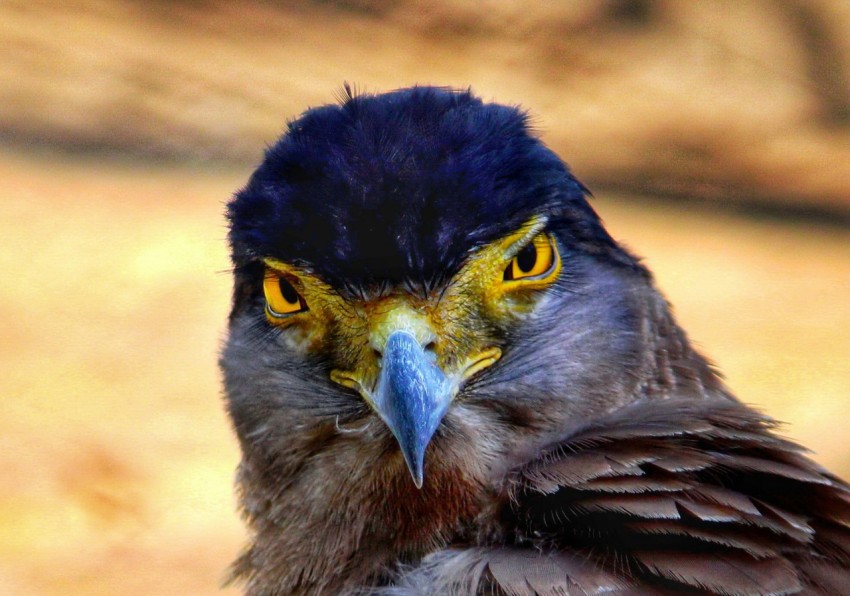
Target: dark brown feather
733, 573
522, 571
682, 495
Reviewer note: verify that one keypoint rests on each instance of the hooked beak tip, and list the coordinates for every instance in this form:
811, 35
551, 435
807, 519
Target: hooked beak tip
414, 459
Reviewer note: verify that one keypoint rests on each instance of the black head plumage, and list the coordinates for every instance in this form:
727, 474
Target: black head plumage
398, 187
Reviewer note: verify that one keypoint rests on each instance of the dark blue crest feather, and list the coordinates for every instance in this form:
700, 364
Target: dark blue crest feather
399, 187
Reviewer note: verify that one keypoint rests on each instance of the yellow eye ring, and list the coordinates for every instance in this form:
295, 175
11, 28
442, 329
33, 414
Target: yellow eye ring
282, 299
538, 262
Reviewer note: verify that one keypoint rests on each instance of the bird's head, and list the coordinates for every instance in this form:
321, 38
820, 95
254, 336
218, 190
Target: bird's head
416, 256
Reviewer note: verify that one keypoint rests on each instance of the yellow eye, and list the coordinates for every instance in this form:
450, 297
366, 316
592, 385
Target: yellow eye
282, 299
537, 261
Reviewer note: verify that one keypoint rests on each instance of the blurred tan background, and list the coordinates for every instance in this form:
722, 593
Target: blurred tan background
715, 135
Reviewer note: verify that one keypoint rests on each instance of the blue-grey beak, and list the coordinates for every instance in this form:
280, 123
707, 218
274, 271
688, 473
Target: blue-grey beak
411, 396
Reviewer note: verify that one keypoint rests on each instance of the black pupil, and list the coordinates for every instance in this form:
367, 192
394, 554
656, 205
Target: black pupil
288, 292
526, 258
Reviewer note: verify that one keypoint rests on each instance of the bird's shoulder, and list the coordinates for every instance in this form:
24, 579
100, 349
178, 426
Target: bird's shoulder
664, 495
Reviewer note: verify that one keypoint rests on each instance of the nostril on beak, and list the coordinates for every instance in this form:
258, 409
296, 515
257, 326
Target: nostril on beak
429, 346
431, 351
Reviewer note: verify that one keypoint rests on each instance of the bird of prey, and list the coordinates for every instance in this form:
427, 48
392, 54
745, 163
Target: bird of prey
446, 377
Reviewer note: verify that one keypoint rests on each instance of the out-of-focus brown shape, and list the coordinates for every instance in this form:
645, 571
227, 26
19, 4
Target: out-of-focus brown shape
826, 66
717, 100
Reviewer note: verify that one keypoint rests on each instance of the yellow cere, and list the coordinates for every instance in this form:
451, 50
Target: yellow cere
460, 323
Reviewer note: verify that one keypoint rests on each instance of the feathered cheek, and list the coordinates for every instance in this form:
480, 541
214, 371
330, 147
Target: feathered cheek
300, 339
